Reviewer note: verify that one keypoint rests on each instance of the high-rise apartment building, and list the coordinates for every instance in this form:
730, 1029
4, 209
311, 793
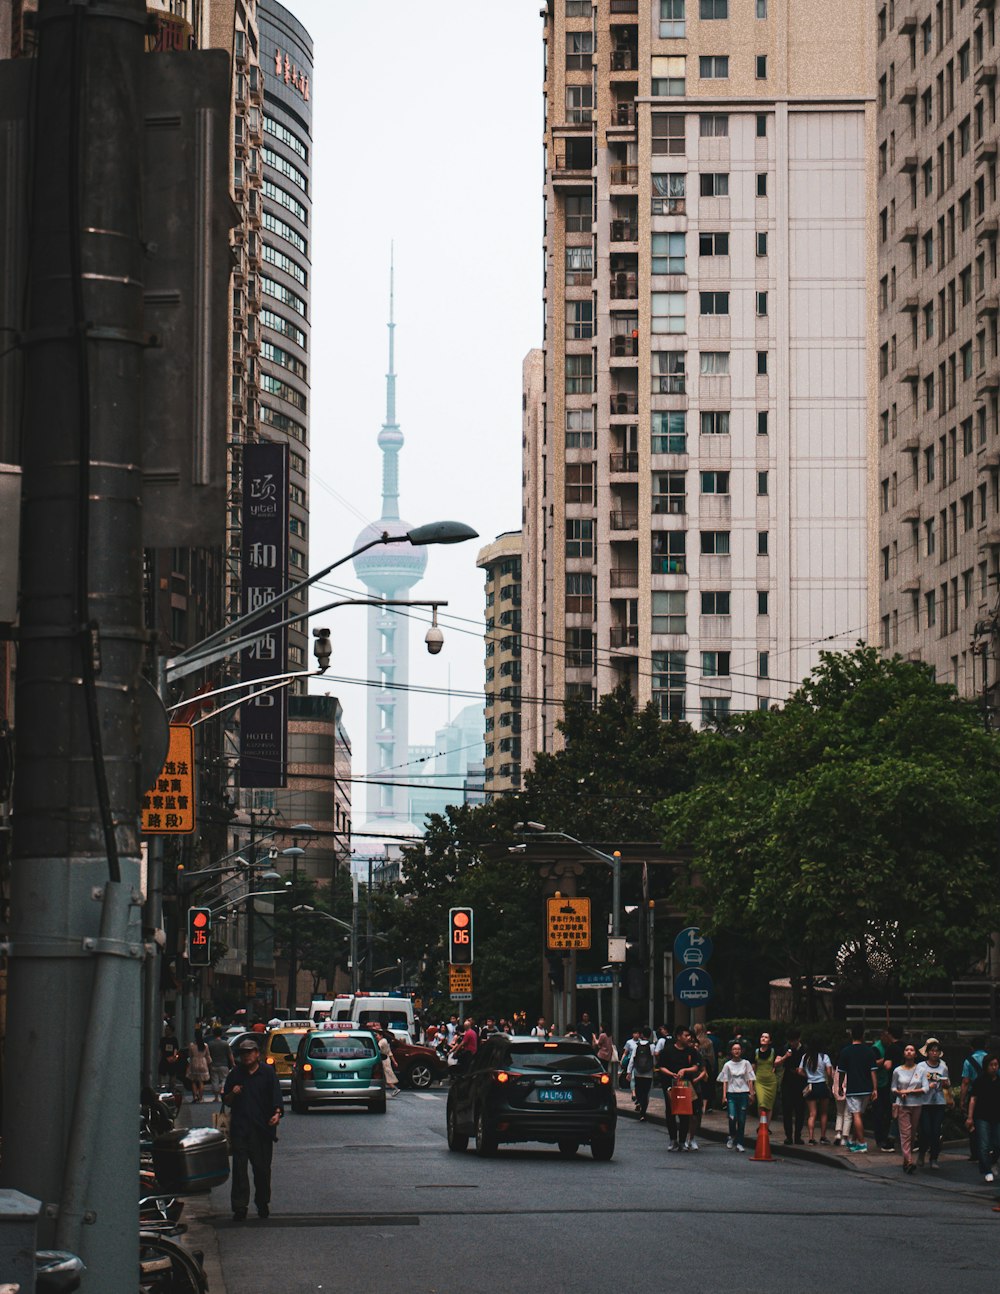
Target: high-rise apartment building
938, 493
501, 562
700, 500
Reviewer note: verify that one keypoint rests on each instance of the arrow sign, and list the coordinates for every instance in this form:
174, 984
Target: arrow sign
693, 987
692, 948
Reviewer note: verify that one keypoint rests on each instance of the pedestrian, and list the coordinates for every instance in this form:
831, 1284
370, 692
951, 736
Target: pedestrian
585, 1029
626, 1061
889, 1050
972, 1067
605, 1047
678, 1066
466, 1046
253, 1094
908, 1089
793, 1106
705, 1082
173, 1069
818, 1074
220, 1061
984, 1115
766, 1063
737, 1078
857, 1067
641, 1071
388, 1067
539, 1029
198, 1066
935, 1101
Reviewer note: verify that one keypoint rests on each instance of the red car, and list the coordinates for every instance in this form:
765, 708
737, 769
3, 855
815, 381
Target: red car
417, 1066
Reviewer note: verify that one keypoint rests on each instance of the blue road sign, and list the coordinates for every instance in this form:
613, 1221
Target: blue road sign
600, 979
693, 987
692, 948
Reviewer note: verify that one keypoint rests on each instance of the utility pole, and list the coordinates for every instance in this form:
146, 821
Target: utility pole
75, 942
249, 972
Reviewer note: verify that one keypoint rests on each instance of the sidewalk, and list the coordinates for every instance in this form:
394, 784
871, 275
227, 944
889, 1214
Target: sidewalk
200, 1235
957, 1174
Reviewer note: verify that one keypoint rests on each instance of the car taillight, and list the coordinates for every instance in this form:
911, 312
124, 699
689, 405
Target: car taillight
502, 1076
604, 1080
270, 1060
307, 1068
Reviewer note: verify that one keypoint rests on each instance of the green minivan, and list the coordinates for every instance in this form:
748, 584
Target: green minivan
338, 1067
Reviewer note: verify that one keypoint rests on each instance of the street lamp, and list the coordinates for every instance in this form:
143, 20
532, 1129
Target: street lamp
614, 861
294, 853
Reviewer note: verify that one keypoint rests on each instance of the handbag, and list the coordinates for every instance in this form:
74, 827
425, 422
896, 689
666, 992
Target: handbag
221, 1122
681, 1095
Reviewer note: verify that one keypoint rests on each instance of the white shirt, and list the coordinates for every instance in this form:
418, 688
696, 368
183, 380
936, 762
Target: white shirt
910, 1081
933, 1077
817, 1075
737, 1075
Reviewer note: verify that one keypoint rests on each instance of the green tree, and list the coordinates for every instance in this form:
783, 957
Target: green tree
862, 814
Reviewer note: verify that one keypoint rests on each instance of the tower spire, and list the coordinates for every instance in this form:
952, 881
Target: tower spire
390, 438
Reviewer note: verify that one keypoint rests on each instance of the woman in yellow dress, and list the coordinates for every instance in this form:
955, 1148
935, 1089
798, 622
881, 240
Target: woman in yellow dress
765, 1065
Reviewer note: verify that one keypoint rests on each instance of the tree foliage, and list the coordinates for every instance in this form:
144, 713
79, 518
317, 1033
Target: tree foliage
862, 814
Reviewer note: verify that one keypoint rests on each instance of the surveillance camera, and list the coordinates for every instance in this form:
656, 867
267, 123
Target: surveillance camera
434, 639
322, 649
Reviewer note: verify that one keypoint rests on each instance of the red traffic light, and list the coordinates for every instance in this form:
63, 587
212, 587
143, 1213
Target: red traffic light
460, 936
199, 936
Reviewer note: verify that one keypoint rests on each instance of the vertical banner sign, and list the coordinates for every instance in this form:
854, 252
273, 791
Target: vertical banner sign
264, 720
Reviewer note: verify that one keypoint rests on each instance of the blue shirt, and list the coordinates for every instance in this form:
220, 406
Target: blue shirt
258, 1101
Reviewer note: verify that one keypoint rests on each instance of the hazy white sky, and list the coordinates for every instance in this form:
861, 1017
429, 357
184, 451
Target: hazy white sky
427, 132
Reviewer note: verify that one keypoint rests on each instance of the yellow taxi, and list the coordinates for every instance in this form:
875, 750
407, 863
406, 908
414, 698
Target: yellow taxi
279, 1050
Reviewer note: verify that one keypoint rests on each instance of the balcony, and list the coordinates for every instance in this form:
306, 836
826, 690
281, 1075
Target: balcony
625, 577
624, 402
568, 166
987, 383
911, 374
986, 229
909, 164
910, 234
986, 150
624, 60
624, 286
987, 306
988, 462
623, 116
625, 462
623, 346
989, 536
910, 305
986, 74
624, 636
624, 231
624, 176
907, 24
624, 521
908, 94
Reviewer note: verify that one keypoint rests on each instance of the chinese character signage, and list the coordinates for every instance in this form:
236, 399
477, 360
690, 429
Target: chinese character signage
460, 983
264, 718
168, 805
285, 70
567, 924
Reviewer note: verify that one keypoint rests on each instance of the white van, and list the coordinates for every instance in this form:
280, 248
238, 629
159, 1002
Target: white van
392, 1011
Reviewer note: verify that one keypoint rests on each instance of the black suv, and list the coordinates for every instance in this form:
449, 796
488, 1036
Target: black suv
530, 1089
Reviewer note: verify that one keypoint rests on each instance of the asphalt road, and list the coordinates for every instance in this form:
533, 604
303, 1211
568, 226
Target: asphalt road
370, 1204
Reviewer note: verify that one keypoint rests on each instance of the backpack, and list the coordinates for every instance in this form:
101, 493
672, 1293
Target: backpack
642, 1061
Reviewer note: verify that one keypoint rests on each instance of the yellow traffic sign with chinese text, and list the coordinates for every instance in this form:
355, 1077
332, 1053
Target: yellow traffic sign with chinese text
567, 924
168, 806
460, 983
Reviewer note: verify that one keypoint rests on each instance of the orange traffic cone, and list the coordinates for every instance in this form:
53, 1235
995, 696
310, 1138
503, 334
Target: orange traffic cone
762, 1151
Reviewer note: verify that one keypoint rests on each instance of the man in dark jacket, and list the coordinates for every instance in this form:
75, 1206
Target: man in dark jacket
253, 1093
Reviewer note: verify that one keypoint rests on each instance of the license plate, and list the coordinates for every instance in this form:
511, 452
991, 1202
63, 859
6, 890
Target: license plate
551, 1094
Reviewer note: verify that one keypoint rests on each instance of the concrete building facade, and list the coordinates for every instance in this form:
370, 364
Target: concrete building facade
501, 563
938, 493
699, 503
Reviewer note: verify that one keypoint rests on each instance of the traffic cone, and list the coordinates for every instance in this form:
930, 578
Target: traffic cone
762, 1151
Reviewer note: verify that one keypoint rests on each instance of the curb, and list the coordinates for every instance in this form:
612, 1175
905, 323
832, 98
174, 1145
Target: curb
202, 1235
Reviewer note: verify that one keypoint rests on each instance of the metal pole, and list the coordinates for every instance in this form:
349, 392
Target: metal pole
355, 969
651, 910
369, 941
152, 923
251, 950
293, 969
75, 938
616, 929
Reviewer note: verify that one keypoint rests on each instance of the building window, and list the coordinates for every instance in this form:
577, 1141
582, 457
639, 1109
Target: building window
761, 125
669, 435
668, 683
668, 134
668, 254
714, 184
761, 422
761, 67
579, 374
763, 664
580, 483
762, 483
668, 194
761, 8
761, 303
669, 312
713, 125
762, 602
714, 363
669, 556
579, 538
669, 612
715, 482
762, 363
761, 543
714, 707
762, 184
669, 493
579, 104
761, 243
579, 266
713, 67
669, 76
579, 320
715, 664
713, 303
579, 649
712, 244
669, 376
672, 19
714, 422
579, 593
713, 10
578, 8
578, 213
715, 604
579, 429
715, 543
579, 50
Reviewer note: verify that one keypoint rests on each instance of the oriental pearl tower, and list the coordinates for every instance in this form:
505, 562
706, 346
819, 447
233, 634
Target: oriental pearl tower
388, 571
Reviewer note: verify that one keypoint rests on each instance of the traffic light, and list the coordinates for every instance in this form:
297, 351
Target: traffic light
199, 936
460, 936
557, 976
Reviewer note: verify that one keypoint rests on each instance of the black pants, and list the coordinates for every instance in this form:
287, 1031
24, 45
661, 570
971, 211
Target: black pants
642, 1086
793, 1110
252, 1149
882, 1115
678, 1125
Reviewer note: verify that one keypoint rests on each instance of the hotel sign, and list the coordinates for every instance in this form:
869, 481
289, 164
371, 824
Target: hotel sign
285, 70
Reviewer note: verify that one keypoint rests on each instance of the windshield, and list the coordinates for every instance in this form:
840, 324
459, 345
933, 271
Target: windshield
285, 1044
342, 1048
558, 1061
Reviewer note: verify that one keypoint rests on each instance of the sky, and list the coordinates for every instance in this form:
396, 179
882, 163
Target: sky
427, 134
